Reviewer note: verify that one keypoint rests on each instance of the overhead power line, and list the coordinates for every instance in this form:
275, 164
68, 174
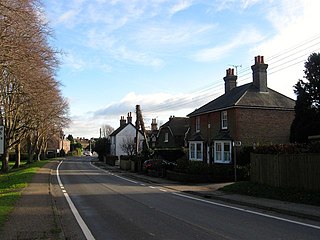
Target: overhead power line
277, 62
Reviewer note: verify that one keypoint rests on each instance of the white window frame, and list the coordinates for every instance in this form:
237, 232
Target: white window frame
224, 120
196, 151
220, 154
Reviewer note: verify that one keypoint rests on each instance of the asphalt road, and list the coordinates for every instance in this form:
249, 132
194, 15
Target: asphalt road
114, 207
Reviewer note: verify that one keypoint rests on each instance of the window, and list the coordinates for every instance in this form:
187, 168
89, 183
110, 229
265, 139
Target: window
222, 151
224, 120
196, 151
166, 137
197, 124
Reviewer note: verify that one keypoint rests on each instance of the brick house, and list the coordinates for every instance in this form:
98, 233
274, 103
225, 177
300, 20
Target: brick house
55, 144
251, 113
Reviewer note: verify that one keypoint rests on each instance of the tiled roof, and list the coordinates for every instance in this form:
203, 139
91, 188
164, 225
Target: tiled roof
247, 96
178, 125
119, 129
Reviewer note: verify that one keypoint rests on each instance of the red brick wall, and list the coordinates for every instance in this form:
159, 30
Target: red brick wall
263, 126
248, 125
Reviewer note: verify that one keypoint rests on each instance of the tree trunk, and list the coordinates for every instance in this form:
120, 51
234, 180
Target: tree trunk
30, 151
5, 162
18, 156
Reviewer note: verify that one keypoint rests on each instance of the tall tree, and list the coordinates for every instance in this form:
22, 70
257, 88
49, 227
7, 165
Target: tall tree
307, 109
30, 101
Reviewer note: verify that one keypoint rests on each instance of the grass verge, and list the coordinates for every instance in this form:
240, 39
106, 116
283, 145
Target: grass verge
11, 185
263, 191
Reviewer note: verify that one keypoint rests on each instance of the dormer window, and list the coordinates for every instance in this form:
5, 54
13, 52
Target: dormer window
198, 124
166, 137
224, 120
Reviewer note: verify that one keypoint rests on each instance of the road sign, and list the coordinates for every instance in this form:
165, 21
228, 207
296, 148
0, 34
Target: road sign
1, 139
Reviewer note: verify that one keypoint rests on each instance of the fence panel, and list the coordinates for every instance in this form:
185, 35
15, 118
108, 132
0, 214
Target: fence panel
299, 171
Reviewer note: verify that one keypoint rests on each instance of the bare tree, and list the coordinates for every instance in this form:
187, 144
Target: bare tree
106, 130
31, 105
128, 146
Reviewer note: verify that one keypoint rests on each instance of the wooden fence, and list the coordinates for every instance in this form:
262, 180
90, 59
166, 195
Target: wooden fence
299, 171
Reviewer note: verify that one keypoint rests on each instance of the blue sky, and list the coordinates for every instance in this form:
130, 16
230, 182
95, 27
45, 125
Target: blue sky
169, 56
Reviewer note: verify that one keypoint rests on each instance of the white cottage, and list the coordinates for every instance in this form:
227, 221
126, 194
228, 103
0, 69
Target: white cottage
123, 138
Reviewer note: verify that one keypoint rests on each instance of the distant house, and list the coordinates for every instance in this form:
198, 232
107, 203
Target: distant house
152, 134
251, 114
172, 136
123, 139
55, 144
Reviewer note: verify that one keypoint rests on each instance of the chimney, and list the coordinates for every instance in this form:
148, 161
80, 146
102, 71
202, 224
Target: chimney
230, 80
122, 121
259, 73
154, 125
129, 118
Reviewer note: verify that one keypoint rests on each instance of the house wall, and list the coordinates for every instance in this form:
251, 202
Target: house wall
210, 124
248, 125
263, 126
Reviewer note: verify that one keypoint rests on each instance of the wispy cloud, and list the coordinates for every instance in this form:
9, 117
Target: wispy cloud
180, 6
247, 36
73, 62
172, 35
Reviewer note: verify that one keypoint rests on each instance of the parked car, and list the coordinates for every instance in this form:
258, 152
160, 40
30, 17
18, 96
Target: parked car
158, 164
87, 153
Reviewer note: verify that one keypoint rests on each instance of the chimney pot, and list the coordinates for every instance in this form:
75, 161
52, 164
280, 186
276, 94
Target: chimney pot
259, 73
122, 121
230, 80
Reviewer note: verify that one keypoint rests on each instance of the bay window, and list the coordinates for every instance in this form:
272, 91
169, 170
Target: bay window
196, 151
222, 152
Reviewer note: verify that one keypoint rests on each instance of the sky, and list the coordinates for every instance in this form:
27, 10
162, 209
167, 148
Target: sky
170, 56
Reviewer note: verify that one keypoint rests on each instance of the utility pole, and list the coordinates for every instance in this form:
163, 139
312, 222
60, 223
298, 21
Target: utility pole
137, 129
140, 123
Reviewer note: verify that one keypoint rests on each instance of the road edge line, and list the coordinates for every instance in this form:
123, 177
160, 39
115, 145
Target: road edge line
86, 231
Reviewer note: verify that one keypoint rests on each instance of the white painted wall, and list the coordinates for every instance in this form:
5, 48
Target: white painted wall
129, 132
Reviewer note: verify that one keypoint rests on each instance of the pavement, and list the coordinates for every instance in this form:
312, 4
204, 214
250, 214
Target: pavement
36, 217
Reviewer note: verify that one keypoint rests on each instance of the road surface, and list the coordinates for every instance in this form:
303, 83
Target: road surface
110, 206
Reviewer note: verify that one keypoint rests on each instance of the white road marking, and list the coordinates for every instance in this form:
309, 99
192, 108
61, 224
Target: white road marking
74, 210
247, 211
219, 204
115, 175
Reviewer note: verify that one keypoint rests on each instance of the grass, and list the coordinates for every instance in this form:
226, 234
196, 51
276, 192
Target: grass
263, 191
11, 185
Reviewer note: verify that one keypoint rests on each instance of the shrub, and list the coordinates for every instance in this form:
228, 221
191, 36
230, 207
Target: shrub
171, 155
216, 172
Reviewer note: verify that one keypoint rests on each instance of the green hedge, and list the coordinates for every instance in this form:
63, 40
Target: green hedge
207, 172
